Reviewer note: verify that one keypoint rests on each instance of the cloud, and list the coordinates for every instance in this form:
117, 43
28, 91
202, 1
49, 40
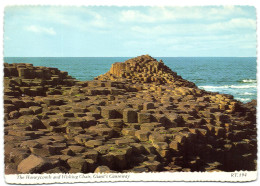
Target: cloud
40, 30
83, 19
162, 14
196, 43
237, 23
135, 16
98, 20
154, 28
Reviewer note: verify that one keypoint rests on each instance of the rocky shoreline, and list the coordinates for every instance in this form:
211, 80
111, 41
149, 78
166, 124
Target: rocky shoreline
138, 117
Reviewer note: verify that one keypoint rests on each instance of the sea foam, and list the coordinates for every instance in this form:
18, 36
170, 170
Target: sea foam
244, 100
249, 80
209, 87
248, 93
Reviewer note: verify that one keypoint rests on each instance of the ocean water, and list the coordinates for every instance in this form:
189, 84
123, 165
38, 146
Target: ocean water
229, 75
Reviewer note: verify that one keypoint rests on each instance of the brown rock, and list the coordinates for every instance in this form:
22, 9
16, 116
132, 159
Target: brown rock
83, 138
9, 108
148, 105
34, 164
14, 114
108, 113
157, 137
103, 169
78, 163
36, 109
153, 165
130, 115
161, 145
105, 132
76, 149
129, 131
115, 123
107, 160
13, 154
91, 154
93, 143
144, 117
142, 135
119, 156
175, 145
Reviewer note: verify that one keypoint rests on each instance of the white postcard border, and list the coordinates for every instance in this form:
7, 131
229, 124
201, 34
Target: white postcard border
241, 176
238, 176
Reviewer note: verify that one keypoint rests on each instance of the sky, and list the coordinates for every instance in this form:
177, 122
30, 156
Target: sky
100, 31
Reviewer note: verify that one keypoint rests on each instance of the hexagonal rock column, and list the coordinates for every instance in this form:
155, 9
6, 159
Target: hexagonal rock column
130, 115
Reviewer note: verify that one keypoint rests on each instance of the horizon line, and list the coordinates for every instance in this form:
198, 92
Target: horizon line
121, 56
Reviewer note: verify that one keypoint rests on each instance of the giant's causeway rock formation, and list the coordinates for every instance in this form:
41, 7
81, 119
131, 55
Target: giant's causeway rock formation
138, 117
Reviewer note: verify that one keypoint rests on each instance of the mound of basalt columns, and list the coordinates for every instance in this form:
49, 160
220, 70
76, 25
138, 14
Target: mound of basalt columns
138, 117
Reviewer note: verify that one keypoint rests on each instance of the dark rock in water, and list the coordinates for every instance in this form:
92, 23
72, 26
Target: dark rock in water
252, 104
138, 117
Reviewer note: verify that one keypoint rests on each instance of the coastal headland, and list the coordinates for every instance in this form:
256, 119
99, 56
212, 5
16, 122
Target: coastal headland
138, 117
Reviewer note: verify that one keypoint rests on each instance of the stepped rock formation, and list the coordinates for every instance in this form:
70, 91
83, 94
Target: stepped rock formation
145, 69
138, 117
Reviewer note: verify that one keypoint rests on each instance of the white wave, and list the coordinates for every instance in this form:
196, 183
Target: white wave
248, 93
208, 87
249, 80
243, 86
244, 99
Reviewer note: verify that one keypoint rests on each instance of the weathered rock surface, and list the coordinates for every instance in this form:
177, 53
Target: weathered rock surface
138, 117
34, 164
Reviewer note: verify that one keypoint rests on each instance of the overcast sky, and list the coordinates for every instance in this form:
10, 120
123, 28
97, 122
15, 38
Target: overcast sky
45, 31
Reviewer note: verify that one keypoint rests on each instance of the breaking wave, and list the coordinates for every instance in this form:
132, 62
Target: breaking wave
209, 87
244, 100
249, 81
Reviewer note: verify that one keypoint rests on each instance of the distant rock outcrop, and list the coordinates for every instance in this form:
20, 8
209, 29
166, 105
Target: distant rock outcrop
24, 78
138, 117
144, 69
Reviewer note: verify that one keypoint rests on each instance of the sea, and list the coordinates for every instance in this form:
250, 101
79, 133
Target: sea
228, 75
